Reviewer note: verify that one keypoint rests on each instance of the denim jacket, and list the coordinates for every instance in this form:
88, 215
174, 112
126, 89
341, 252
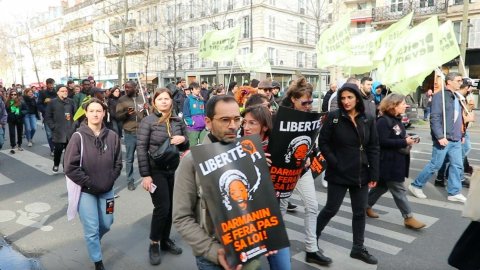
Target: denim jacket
436, 118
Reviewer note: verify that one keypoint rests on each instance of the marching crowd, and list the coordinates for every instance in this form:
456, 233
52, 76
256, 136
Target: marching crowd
363, 140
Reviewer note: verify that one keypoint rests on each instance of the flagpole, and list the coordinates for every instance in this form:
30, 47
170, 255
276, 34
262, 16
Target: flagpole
443, 102
463, 66
141, 91
230, 78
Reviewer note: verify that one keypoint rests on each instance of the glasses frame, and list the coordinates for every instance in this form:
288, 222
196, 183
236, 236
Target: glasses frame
230, 121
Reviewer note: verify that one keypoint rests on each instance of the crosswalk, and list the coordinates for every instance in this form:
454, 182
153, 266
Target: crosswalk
383, 235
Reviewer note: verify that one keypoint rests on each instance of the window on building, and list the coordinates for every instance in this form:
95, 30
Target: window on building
245, 51
180, 38
204, 29
191, 61
301, 6
246, 27
169, 63
330, 1
330, 17
231, 4
300, 59
154, 13
192, 9
314, 60
271, 2
180, 62
246, 3
272, 56
271, 27
301, 33
140, 17
169, 13
157, 62
396, 5
192, 36
362, 6
427, 3
374, 4
230, 23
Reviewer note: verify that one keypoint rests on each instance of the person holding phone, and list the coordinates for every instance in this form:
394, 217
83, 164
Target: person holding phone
153, 132
395, 147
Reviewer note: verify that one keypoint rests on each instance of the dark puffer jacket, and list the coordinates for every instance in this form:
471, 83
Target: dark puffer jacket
352, 152
151, 135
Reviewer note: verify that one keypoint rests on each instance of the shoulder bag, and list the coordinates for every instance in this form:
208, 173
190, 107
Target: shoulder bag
167, 155
74, 191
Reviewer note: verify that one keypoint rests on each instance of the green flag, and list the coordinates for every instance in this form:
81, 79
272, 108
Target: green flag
257, 61
361, 49
448, 43
414, 54
390, 37
219, 45
334, 43
408, 85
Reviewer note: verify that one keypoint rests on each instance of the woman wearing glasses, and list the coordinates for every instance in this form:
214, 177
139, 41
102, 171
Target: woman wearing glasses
299, 97
258, 120
16, 110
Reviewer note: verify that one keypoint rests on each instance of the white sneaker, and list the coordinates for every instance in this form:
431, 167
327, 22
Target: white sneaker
30, 144
324, 183
417, 192
457, 198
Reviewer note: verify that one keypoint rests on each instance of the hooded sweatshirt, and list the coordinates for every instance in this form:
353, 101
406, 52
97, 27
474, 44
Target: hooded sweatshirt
378, 97
101, 163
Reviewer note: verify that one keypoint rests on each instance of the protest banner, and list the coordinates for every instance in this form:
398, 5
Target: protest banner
219, 45
415, 53
407, 85
448, 43
257, 61
295, 135
334, 43
361, 50
241, 198
390, 37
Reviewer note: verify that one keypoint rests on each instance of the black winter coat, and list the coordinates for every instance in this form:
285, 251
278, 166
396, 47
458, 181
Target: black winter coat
56, 116
31, 105
112, 107
44, 97
14, 118
151, 135
326, 98
352, 152
394, 166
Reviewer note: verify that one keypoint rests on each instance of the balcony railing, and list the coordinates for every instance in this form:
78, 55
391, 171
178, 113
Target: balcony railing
358, 14
398, 11
77, 22
78, 60
117, 27
56, 64
77, 7
132, 48
79, 41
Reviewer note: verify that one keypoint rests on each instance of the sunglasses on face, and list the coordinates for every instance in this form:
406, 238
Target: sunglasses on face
268, 90
305, 103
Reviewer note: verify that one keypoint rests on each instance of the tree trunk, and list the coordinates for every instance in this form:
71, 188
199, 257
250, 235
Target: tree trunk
174, 65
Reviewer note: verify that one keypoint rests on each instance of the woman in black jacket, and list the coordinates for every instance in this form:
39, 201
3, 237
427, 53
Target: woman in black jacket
93, 160
112, 107
16, 110
394, 158
153, 132
30, 119
348, 141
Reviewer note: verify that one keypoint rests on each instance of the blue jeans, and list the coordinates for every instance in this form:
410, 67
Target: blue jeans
48, 131
92, 210
30, 121
2, 137
426, 113
131, 147
453, 151
204, 264
444, 170
281, 260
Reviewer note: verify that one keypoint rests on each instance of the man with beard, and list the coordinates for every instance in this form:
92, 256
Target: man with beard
368, 97
79, 98
44, 97
195, 225
70, 87
326, 98
130, 111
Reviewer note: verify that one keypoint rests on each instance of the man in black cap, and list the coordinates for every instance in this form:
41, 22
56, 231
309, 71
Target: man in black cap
267, 87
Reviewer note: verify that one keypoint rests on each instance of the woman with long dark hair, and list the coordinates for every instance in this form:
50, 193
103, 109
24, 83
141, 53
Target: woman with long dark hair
348, 141
160, 127
394, 158
31, 117
93, 160
16, 110
112, 107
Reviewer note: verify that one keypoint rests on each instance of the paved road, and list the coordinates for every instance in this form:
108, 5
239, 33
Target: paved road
33, 205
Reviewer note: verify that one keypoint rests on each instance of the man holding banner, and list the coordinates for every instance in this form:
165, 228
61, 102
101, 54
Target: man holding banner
192, 216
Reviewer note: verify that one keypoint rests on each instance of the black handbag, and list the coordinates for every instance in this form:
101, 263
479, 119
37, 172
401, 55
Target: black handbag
167, 155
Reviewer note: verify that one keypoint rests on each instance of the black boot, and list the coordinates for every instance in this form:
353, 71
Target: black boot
169, 245
99, 265
318, 258
363, 255
154, 254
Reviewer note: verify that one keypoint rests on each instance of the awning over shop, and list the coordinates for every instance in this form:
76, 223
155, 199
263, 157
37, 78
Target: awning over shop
362, 20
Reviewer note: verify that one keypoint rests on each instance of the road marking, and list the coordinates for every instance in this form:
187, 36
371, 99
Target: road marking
33, 160
371, 228
393, 250
393, 215
429, 202
5, 180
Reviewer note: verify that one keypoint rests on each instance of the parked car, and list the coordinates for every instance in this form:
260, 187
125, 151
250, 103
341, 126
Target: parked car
411, 112
317, 101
